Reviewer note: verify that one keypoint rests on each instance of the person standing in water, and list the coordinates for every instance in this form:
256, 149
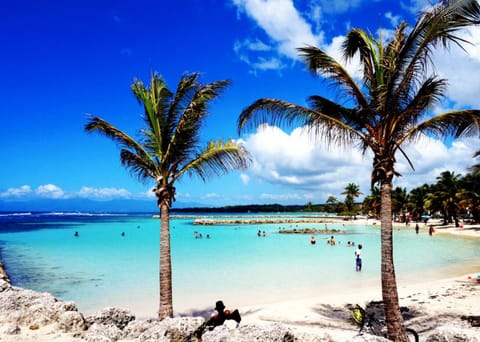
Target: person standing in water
358, 258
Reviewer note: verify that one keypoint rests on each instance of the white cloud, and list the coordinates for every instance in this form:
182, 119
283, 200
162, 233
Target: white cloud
284, 26
22, 191
304, 170
457, 65
103, 193
394, 19
50, 191
338, 6
245, 178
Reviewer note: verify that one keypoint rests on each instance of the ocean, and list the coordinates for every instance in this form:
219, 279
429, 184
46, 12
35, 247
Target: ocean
114, 259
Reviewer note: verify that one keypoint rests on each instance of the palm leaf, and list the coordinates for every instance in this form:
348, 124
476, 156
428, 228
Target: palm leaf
321, 63
216, 158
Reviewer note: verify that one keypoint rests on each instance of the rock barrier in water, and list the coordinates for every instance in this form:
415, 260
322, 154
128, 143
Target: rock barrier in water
308, 231
211, 222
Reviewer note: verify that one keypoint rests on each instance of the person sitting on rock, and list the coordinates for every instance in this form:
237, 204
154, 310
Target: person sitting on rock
218, 319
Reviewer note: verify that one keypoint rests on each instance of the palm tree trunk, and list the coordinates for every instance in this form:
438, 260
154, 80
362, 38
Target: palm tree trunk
166, 303
389, 284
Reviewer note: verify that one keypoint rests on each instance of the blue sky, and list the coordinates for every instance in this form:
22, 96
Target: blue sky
62, 60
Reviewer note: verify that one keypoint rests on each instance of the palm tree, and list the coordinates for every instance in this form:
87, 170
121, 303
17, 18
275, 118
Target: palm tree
416, 201
371, 203
471, 191
169, 148
447, 190
352, 191
385, 111
399, 201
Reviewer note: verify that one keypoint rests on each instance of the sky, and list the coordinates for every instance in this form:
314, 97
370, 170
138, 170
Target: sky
63, 60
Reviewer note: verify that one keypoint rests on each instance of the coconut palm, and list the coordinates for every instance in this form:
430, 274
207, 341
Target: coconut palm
351, 192
471, 190
448, 192
371, 203
169, 147
416, 201
387, 110
399, 201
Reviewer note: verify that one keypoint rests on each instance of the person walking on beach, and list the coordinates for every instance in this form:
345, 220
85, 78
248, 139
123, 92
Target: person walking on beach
430, 230
358, 258
416, 228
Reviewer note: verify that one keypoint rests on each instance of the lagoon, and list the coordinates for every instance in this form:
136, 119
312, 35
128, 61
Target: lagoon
102, 268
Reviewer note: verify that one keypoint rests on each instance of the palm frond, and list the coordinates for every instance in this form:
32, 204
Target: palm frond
217, 158
460, 123
139, 165
186, 136
102, 127
320, 62
433, 28
358, 41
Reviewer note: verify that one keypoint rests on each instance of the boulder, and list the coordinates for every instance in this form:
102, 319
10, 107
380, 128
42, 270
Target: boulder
102, 333
71, 322
115, 316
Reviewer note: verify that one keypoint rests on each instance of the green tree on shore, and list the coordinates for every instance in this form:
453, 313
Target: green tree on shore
387, 110
169, 148
351, 192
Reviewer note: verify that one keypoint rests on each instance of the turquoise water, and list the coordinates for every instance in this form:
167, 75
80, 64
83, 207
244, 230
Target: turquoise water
101, 268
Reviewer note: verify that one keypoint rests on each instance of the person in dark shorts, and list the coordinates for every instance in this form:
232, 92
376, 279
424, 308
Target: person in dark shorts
358, 258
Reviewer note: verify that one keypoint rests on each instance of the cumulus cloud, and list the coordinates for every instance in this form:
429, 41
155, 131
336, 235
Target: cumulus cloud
456, 66
284, 26
103, 193
338, 6
22, 191
50, 191
245, 178
306, 170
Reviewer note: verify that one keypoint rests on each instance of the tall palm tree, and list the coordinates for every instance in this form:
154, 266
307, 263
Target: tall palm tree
385, 111
169, 148
351, 192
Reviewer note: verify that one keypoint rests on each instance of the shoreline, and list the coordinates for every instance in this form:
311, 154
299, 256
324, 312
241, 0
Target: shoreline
438, 305
438, 309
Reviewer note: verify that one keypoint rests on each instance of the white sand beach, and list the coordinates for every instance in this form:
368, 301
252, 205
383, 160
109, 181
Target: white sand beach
438, 308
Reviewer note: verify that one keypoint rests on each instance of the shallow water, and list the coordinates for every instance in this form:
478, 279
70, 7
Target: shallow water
101, 268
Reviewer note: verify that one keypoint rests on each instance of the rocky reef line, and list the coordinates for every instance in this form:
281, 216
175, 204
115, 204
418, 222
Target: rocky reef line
286, 220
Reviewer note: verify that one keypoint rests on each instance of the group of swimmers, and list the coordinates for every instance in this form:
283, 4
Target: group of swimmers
76, 234
260, 233
199, 235
332, 242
